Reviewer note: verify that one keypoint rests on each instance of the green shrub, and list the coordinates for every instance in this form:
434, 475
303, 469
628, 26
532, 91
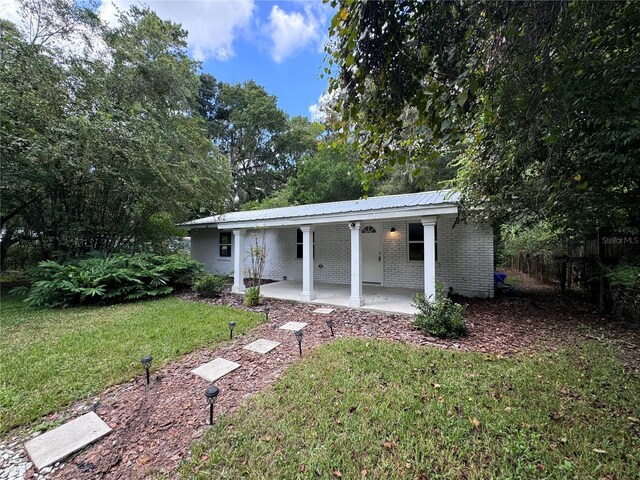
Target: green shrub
440, 317
625, 291
252, 297
108, 279
210, 286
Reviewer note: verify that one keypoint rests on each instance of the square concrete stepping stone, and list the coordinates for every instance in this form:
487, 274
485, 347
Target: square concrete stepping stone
293, 326
59, 443
261, 346
324, 311
215, 369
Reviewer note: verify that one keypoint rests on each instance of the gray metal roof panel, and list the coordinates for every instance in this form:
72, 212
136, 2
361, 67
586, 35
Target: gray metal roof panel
386, 202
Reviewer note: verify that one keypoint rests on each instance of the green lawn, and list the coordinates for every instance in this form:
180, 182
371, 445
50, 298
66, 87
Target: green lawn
373, 409
49, 358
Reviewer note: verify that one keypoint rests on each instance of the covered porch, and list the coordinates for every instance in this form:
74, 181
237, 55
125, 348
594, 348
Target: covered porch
375, 297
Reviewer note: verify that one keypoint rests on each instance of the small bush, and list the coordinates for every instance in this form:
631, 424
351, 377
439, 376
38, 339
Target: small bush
252, 297
210, 286
625, 291
440, 317
108, 279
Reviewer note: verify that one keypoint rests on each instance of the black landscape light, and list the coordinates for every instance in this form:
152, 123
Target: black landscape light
330, 325
146, 363
232, 325
266, 313
393, 230
299, 338
212, 395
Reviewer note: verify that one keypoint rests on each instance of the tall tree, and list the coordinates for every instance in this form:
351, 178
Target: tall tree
95, 148
259, 140
539, 101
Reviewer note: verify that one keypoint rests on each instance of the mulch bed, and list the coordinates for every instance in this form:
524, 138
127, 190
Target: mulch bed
153, 428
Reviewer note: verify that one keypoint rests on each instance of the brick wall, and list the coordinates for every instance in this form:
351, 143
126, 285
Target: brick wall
465, 255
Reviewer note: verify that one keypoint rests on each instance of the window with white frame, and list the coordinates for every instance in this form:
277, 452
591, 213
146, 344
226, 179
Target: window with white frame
299, 244
225, 244
415, 239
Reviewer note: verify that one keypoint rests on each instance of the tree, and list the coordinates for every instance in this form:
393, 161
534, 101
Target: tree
96, 148
538, 101
261, 143
330, 175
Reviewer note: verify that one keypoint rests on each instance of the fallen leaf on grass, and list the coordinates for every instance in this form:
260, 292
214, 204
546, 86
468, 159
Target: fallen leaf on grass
266, 438
387, 444
303, 468
476, 423
337, 474
599, 450
363, 472
633, 419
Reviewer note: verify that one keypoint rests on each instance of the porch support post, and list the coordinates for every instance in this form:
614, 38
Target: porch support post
356, 300
429, 225
307, 264
238, 264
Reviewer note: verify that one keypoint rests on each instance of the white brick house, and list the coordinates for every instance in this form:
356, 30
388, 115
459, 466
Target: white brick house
404, 241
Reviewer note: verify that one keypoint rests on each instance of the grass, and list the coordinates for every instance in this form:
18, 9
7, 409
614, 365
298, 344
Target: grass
49, 358
373, 409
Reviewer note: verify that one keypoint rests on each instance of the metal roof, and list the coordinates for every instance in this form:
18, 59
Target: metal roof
383, 203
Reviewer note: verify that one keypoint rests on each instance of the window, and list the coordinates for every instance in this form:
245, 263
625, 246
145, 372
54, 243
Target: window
299, 244
368, 229
416, 242
225, 244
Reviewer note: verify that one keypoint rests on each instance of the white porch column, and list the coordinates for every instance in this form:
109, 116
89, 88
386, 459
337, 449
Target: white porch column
307, 264
238, 264
356, 299
429, 225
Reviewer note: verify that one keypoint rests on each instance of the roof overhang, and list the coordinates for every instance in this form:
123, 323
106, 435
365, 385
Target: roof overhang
369, 215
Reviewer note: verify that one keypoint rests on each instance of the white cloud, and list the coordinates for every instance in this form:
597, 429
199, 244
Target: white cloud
290, 32
212, 24
316, 114
319, 112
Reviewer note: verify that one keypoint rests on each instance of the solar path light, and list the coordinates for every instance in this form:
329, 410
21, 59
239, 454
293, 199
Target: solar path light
212, 395
266, 313
232, 325
146, 363
329, 322
299, 338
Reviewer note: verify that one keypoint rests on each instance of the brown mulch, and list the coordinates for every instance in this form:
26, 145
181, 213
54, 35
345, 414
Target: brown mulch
154, 427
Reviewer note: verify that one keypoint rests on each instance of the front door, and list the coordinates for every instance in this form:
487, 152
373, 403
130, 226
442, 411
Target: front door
371, 241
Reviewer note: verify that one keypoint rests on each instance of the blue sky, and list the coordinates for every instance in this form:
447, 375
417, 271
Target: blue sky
294, 79
279, 44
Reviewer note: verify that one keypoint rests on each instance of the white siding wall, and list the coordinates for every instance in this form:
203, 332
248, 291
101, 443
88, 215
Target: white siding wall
465, 255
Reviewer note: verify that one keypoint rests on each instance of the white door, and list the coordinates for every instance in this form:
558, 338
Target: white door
371, 241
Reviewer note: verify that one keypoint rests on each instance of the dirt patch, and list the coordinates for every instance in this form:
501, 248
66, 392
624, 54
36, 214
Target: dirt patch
154, 427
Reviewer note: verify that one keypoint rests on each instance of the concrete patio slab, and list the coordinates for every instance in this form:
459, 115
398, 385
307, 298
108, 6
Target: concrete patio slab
215, 369
376, 297
293, 326
261, 345
324, 311
59, 443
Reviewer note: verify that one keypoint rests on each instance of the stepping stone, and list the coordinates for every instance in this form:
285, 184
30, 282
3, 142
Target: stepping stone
215, 369
293, 326
59, 443
261, 346
323, 310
